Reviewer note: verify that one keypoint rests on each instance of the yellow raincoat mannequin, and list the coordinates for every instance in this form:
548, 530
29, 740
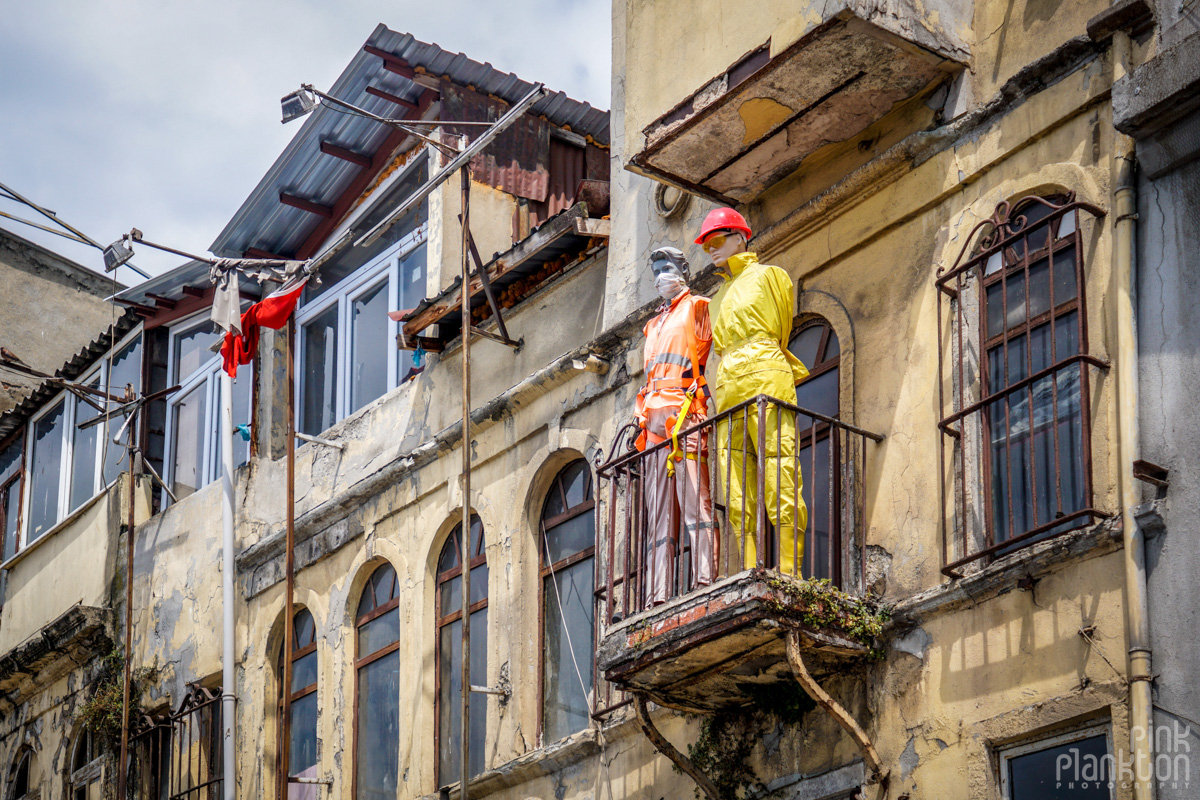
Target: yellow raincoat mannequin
752, 322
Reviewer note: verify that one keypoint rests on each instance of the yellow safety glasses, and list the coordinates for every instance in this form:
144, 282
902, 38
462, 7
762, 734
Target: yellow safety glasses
714, 242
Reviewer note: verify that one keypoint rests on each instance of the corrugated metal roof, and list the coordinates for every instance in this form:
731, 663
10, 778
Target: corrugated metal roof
75, 366
169, 284
302, 170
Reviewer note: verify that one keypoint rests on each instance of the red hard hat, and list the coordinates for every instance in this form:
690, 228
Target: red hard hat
723, 219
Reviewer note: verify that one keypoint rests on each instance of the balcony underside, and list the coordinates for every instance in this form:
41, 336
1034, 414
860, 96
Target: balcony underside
736, 136
718, 647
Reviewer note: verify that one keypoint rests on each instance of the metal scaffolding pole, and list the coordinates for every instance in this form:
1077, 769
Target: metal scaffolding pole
285, 739
465, 538
228, 696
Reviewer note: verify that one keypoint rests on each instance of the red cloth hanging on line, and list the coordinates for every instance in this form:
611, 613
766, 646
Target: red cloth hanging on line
271, 312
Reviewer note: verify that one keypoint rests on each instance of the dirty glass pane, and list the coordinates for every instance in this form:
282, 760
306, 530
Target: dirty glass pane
187, 470
448, 560
576, 480
369, 346
569, 644
378, 739
833, 347
126, 370
450, 698
304, 734
411, 292
10, 506
554, 501
381, 587
820, 514
995, 309
805, 343
193, 350
1015, 298
241, 416
451, 596
1039, 288
379, 632
10, 460
568, 538
304, 630
1066, 225
45, 471
1064, 276
304, 672
819, 394
83, 455
479, 583
318, 372
1057, 773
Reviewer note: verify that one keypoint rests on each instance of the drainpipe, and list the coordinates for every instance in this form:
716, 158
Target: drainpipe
228, 697
1137, 606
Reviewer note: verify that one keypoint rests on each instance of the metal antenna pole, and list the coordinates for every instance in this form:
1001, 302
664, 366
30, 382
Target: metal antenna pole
123, 775
285, 739
465, 766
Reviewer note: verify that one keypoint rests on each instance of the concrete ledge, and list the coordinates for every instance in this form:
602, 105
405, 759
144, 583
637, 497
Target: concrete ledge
1002, 575
77, 635
1159, 92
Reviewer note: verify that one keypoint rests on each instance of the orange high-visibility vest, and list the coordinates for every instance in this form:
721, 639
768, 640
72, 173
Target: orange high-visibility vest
674, 361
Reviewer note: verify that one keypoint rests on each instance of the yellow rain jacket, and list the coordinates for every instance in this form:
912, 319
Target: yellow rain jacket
751, 325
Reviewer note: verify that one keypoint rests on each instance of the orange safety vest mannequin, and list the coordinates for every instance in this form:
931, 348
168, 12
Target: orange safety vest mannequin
674, 362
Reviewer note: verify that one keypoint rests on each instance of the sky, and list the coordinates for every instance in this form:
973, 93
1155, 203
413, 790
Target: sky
164, 115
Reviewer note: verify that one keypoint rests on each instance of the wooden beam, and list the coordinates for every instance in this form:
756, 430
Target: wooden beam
331, 149
195, 291
361, 181
305, 205
138, 307
392, 63
258, 252
158, 299
391, 98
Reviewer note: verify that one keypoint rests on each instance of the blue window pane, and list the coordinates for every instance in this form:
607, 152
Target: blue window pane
369, 346
379, 633
304, 735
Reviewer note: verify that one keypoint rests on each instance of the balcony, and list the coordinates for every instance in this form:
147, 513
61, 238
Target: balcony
758, 121
702, 638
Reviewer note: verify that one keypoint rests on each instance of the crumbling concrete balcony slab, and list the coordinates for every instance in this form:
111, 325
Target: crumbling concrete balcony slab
716, 647
755, 123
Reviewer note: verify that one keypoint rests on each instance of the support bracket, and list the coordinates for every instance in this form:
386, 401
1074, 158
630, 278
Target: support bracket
670, 751
874, 766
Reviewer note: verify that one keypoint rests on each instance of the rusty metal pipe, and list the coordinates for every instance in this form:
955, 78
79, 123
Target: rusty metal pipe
465, 539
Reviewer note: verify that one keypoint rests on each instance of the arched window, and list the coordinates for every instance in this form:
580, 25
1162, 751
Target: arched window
87, 769
449, 652
302, 753
20, 779
817, 346
377, 664
568, 529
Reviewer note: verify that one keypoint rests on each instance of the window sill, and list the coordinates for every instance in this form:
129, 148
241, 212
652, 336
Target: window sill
543, 761
67, 522
1001, 576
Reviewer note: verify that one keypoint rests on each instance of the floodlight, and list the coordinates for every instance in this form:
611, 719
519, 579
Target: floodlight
297, 104
116, 254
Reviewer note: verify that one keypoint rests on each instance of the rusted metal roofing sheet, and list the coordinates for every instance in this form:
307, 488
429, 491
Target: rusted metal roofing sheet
303, 171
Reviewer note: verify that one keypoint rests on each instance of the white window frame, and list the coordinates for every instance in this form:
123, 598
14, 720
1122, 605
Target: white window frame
66, 462
385, 267
209, 374
1006, 754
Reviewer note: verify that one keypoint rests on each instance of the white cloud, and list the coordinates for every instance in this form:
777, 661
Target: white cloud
165, 115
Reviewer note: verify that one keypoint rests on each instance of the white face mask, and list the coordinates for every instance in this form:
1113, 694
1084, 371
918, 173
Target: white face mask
669, 285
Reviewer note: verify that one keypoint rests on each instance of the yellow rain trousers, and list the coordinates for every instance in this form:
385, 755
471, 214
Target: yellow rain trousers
752, 323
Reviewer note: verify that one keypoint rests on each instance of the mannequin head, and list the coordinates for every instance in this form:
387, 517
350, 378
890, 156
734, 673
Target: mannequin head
671, 272
721, 244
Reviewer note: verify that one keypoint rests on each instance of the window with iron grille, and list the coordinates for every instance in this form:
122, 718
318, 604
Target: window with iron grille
1018, 363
